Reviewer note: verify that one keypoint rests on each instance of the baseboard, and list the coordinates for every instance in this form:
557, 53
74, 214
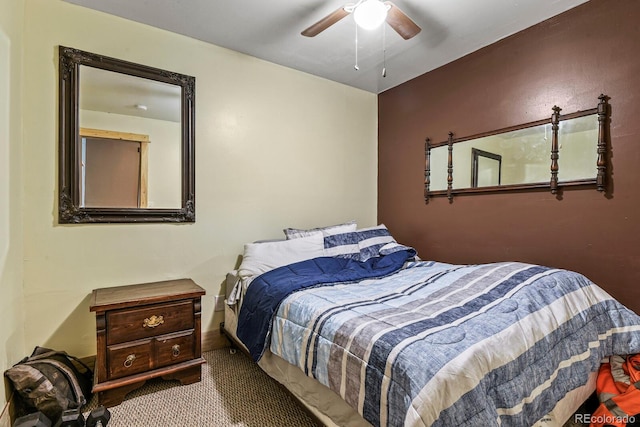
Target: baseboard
90, 361
213, 340
7, 413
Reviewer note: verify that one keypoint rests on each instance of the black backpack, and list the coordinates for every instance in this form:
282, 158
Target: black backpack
51, 382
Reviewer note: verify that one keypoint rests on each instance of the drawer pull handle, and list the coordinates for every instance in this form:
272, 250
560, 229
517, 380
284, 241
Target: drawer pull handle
175, 350
129, 360
153, 321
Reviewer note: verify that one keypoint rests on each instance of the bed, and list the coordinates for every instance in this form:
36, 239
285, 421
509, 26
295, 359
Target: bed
363, 332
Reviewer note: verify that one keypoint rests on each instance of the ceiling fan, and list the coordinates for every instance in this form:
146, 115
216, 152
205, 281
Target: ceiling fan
368, 14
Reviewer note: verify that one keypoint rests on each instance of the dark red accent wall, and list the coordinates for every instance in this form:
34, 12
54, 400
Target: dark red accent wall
567, 60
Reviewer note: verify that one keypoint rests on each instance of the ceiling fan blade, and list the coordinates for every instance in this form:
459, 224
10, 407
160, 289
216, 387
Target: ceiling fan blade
325, 22
401, 22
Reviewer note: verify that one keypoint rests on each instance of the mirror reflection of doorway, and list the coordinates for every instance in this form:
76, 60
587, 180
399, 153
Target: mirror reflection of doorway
113, 172
486, 168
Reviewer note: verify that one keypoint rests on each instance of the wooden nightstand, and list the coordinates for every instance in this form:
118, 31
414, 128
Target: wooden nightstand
146, 331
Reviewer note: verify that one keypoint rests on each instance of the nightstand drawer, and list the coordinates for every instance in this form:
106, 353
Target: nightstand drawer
143, 322
129, 359
174, 348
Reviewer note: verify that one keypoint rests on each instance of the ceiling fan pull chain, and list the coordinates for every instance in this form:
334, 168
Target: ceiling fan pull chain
384, 51
356, 66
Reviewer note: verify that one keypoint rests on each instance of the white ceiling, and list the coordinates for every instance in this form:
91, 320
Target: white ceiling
116, 93
270, 29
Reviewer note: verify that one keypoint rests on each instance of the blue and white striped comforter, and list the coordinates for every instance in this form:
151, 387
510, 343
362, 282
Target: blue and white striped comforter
447, 345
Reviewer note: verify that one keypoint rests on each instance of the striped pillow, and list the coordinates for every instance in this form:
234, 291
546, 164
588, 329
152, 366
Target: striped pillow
361, 244
374, 239
296, 233
390, 248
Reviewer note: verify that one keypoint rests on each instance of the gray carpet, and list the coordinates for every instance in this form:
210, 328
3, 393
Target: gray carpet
233, 392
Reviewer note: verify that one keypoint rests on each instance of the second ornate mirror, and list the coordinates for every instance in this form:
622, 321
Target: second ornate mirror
563, 150
126, 141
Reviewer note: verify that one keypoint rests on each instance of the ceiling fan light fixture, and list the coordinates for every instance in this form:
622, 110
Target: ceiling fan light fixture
370, 14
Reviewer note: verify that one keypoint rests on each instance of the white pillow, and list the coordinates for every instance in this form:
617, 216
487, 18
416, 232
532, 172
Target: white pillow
259, 258
296, 233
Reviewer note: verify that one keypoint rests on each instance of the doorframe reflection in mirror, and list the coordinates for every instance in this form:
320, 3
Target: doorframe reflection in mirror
475, 167
70, 210
599, 181
143, 165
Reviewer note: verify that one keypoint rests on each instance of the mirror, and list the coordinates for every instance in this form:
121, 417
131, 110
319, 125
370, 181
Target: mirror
126, 141
578, 148
563, 150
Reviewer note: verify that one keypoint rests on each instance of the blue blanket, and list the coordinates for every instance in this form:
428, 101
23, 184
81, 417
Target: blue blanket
266, 292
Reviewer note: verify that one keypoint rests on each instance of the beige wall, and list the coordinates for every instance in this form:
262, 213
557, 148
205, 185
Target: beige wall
274, 148
11, 306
